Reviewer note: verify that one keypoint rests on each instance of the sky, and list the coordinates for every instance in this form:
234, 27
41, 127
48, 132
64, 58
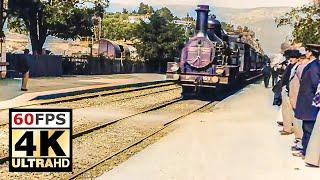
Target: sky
219, 3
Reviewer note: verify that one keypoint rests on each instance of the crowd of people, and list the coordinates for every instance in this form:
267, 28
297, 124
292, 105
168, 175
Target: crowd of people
296, 87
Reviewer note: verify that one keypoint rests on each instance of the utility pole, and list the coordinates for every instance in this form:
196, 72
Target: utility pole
187, 26
317, 3
3, 63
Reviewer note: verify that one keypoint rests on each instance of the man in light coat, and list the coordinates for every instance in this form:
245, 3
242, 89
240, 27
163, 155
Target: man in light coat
287, 110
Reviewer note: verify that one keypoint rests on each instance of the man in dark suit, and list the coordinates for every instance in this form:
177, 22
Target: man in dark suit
308, 86
291, 59
292, 56
23, 67
274, 75
266, 71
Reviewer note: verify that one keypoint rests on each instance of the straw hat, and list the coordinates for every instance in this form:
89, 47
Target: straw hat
302, 51
296, 46
285, 46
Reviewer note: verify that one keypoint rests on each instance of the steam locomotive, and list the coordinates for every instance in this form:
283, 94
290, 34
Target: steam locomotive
213, 59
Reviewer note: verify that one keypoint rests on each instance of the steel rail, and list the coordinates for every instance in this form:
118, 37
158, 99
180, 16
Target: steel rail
70, 99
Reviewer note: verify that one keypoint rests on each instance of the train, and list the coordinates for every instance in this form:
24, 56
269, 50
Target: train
212, 58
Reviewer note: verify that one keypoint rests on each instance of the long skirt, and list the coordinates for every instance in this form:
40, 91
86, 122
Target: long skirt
297, 128
290, 123
313, 150
287, 113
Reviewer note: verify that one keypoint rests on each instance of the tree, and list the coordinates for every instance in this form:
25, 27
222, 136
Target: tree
305, 21
117, 27
188, 18
63, 19
165, 13
145, 9
125, 11
159, 41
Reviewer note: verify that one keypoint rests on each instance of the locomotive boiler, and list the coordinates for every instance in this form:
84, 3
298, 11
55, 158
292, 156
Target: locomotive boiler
212, 59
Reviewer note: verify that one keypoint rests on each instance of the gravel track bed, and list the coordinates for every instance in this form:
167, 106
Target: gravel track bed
122, 157
4, 117
4, 143
137, 105
103, 100
89, 148
102, 93
208, 109
115, 161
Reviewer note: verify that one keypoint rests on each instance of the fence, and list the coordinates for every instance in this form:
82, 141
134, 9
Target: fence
47, 65
44, 65
101, 65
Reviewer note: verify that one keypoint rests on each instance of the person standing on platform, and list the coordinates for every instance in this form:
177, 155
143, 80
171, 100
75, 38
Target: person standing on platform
313, 150
23, 67
266, 71
286, 108
274, 74
305, 111
294, 86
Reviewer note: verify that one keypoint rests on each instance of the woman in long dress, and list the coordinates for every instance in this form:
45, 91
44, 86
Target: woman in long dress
313, 151
293, 94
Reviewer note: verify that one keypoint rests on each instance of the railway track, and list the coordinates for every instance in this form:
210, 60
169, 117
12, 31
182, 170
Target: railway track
90, 95
84, 168
136, 143
99, 94
104, 124
91, 129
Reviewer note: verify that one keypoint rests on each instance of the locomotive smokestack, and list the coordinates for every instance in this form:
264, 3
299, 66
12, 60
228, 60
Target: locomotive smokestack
202, 18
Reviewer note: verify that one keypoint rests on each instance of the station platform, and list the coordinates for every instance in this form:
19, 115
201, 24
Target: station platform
239, 139
10, 88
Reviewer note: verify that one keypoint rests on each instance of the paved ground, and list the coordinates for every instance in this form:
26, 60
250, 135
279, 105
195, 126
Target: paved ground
10, 88
238, 140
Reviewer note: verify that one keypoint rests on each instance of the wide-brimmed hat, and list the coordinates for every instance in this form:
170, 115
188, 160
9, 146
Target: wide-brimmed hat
302, 51
296, 46
285, 46
292, 53
313, 47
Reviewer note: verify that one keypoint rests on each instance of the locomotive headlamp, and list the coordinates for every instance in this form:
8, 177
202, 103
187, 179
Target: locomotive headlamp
210, 79
214, 79
219, 71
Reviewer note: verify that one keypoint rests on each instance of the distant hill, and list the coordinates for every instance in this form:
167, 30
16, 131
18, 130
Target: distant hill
261, 20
